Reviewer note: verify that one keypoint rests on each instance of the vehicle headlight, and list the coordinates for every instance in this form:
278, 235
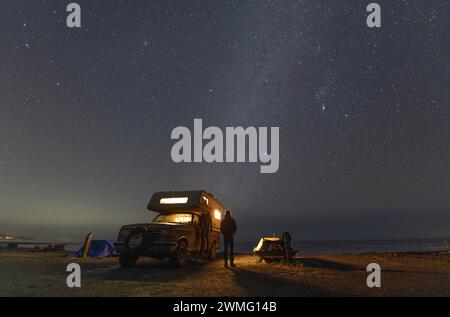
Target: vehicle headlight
165, 233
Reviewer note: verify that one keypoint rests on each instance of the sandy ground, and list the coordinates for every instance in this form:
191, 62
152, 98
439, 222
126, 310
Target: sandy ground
25, 273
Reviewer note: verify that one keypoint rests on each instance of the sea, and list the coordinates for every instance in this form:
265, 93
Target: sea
75, 234
329, 247
358, 246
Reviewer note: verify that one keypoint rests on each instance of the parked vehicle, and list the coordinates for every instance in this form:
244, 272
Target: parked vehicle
275, 249
175, 232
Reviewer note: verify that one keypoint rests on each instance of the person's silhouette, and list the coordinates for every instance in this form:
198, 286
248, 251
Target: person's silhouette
205, 221
228, 228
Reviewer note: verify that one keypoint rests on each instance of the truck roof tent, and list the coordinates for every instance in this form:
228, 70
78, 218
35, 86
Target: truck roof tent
198, 201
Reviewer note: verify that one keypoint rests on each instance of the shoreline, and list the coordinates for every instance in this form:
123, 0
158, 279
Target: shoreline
306, 247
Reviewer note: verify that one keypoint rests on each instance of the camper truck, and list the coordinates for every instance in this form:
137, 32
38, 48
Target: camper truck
175, 232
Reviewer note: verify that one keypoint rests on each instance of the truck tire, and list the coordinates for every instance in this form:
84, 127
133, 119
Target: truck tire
212, 252
127, 260
180, 257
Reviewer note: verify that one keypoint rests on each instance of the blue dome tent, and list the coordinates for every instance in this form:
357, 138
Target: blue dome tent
98, 249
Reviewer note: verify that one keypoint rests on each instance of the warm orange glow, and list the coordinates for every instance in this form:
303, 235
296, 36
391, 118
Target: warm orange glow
173, 201
183, 219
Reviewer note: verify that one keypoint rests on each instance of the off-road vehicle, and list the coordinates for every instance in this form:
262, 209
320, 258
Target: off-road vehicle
175, 232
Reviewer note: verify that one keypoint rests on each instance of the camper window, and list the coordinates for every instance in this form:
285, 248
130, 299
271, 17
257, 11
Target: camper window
174, 218
173, 201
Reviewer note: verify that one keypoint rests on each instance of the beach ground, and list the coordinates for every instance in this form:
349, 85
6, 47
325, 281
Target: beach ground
26, 273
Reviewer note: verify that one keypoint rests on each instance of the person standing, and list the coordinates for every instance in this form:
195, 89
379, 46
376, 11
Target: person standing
287, 249
205, 231
228, 229
198, 231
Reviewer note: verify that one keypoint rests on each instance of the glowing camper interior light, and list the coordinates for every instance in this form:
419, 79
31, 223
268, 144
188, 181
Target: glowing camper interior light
173, 201
217, 214
206, 200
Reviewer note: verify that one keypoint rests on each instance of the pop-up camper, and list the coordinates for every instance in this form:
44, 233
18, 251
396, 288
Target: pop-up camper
175, 231
197, 202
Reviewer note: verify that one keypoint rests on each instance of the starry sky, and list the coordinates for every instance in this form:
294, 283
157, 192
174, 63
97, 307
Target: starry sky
364, 114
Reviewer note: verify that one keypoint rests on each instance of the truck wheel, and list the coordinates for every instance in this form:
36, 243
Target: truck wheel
179, 257
212, 252
127, 260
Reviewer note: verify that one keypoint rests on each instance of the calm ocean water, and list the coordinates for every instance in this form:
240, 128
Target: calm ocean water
77, 234
336, 247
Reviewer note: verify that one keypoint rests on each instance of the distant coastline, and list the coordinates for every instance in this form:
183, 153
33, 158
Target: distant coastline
4, 236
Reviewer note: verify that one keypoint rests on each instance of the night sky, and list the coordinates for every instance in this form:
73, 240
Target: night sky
86, 114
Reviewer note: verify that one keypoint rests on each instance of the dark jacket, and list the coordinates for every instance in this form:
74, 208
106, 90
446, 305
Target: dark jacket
205, 222
228, 228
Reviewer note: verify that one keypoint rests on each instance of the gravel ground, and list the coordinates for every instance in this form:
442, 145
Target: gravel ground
26, 273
